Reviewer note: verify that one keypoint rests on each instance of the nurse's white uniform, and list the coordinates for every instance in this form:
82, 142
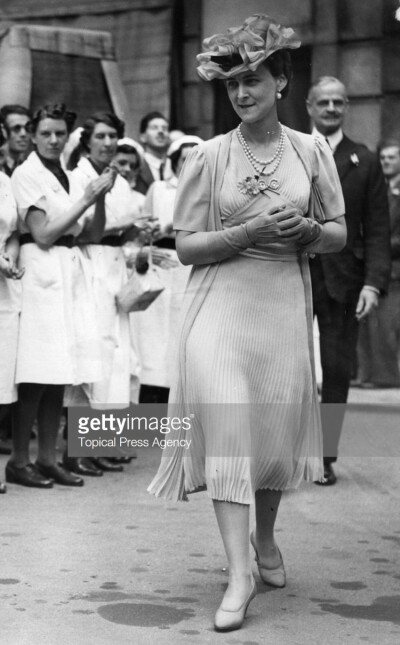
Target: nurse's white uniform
119, 385
156, 327
58, 342
10, 298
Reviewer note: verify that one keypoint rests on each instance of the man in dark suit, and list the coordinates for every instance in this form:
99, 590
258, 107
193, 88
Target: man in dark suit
378, 349
154, 137
346, 285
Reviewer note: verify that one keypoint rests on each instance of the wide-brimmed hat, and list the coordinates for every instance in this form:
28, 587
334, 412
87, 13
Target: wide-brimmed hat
243, 48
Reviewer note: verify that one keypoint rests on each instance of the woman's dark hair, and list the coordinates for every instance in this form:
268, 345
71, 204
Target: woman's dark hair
101, 117
388, 143
175, 156
75, 157
129, 150
278, 63
52, 111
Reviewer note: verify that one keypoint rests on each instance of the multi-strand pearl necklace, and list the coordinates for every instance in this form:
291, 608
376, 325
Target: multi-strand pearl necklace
255, 162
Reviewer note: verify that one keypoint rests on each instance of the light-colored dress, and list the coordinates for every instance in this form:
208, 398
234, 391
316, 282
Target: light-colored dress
58, 340
10, 298
119, 385
156, 328
245, 375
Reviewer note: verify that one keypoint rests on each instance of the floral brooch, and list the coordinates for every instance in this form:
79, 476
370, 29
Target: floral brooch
354, 159
255, 185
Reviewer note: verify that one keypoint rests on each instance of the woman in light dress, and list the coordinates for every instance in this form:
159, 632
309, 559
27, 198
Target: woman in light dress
10, 297
245, 371
58, 342
156, 327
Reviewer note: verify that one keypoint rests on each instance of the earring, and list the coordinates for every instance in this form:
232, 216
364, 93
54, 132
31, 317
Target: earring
279, 95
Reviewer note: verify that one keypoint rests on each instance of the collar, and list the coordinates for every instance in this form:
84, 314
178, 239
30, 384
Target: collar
49, 163
95, 166
155, 164
333, 139
87, 168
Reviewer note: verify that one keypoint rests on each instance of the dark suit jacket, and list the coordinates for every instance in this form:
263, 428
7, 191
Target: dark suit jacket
365, 260
394, 208
145, 178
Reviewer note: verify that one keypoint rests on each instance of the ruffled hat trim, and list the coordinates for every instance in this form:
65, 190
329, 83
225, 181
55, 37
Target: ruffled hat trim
243, 48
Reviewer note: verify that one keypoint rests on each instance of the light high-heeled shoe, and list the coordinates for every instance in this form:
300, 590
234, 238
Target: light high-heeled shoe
227, 620
276, 576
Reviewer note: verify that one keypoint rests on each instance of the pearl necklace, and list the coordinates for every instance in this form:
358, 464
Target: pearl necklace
252, 156
255, 162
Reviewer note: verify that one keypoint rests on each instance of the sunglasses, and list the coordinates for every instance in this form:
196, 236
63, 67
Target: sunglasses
16, 129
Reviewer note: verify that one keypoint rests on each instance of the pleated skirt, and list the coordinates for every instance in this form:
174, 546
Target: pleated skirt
246, 383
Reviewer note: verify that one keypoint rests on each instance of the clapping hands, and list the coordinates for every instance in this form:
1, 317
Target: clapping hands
100, 186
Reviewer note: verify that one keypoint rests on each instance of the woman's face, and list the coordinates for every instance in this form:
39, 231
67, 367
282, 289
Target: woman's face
253, 94
127, 164
103, 144
50, 138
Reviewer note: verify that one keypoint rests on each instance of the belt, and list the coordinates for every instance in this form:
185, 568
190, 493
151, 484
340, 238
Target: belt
109, 240
165, 243
64, 240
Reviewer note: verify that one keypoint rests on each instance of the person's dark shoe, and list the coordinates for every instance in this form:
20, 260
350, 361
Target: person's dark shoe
5, 446
27, 476
59, 474
82, 466
329, 476
107, 465
3, 488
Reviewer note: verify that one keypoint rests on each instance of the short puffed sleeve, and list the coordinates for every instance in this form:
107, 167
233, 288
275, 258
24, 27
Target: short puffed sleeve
193, 197
27, 191
327, 180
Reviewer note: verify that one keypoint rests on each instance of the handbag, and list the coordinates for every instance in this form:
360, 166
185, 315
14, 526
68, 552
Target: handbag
141, 289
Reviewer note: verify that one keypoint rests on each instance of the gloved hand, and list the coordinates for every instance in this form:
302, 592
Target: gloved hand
262, 230
294, 227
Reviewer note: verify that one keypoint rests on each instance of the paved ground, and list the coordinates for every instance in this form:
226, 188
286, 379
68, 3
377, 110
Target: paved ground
110, 565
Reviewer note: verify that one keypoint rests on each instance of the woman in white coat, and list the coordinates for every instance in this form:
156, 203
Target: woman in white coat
119, 385
10, 297
57, 341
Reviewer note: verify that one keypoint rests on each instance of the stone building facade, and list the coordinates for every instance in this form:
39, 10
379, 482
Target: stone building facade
355, 40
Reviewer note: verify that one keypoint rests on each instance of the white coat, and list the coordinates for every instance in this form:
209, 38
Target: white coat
119, 385
10, 298
58, 340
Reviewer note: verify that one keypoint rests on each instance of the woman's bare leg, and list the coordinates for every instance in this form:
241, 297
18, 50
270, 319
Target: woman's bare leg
267, 504
233, 523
